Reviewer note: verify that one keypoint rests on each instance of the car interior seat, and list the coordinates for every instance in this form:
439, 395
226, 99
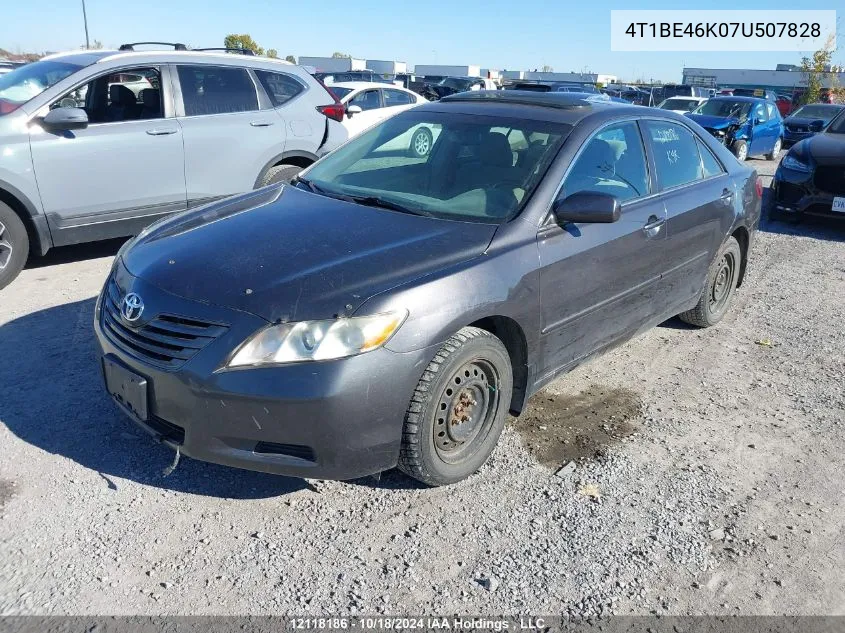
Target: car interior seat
123, 104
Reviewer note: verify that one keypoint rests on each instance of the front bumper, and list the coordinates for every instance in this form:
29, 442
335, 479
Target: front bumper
790, 138
794, 193
327, 420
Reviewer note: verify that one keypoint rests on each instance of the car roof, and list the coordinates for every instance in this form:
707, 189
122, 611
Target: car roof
101, 56
737, 98
359, 85
561, 107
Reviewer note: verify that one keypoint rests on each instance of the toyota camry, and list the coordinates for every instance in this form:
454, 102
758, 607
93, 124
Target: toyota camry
390, 308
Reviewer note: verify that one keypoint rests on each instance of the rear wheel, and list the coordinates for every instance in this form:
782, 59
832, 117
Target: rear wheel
14, 245
775, 150
280, 173
421, 142
720, 288
740, 150
458, 409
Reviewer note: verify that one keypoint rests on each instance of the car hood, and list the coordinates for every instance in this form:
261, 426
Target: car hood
713, 122
825, 148
283, 253
805, 121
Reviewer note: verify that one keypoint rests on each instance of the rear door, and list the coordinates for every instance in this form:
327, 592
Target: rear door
698, 194
761, 136
396, 101
599, 283
229, 133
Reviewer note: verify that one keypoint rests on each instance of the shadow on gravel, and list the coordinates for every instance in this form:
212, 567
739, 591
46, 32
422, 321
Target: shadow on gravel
675, 323
820, 228
53, 398
77, 253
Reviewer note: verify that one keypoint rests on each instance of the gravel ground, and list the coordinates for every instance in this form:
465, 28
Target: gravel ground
704, 475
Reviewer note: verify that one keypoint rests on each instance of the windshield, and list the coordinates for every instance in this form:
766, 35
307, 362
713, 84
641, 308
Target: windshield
339, 92
686, 105
725, 108
446, 165
825, 113
26, 82
455, 83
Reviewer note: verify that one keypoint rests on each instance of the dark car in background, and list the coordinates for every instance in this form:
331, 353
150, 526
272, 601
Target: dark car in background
451, 85
748, 126
438, 294
808, 120
810, 179
761, 93
329, 78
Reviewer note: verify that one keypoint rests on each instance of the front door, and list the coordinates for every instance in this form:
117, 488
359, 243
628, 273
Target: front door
121, 172
600, 283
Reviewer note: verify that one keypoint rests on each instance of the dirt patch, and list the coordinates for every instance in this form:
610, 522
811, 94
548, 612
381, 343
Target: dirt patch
558, 429
7, 489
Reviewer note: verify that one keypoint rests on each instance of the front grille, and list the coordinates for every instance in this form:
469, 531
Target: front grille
294, 450
167, 430
830, 179
167, 341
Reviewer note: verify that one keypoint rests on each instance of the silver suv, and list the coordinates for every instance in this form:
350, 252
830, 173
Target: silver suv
98, 144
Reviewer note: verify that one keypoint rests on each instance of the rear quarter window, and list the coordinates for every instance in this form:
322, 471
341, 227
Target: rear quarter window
280, 87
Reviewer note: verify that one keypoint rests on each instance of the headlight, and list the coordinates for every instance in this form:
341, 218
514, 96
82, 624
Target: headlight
317, 340
790, 162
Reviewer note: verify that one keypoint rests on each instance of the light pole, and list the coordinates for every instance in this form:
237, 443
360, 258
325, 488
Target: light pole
85, 19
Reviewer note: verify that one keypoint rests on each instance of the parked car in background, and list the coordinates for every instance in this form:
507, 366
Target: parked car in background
368, 103
331, 78
808, 120
552, 86
681, 105
87, 158
769, 95
403, 330
810, 179
785, 105
453, 85
748, 126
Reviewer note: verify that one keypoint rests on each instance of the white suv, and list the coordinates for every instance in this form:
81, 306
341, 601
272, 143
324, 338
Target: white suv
98, 144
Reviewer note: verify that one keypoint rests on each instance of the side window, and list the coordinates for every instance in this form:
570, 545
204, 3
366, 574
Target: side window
367, 100
676, 156
760, 113
280, 87
773, 113
396, 98
612, 162
128, 95
216, 90
709, 164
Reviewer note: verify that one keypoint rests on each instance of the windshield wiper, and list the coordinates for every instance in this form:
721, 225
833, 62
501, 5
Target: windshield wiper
311, 186
381, 203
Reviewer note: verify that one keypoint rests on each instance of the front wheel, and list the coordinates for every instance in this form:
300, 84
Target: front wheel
458, 409
719, 289
740, 150
775, 151
280, 173
14, 245
421, 142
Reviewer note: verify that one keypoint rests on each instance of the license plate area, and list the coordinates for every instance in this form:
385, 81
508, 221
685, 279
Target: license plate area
838, 205
127, 388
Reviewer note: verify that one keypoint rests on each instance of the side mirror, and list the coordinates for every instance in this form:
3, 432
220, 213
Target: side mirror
62, 119
587, 207
350, 110
817, 126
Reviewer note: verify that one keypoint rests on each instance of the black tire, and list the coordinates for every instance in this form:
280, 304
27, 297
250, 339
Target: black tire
437, 448
720, 287
14, 245
775, 150
740, 150
280, 173
421, 143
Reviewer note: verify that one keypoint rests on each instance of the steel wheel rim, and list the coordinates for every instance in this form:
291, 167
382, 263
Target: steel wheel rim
466, 410
722, 283
6, 248
421, 144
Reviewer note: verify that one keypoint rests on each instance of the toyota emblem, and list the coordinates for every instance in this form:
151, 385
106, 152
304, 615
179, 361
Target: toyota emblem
132, 307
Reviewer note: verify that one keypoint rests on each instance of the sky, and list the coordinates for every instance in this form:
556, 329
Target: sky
569, 35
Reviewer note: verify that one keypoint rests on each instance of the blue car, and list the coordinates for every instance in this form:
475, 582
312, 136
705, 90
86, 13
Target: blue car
808, 120
748, 126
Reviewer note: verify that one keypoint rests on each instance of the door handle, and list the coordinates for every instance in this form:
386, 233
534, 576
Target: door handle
261, 123
727, 196
653, 225
161, 132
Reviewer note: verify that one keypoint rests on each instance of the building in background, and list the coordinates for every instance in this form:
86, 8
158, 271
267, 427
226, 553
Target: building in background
387, 67
333, 64
443, 70
578, 78
784, 79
